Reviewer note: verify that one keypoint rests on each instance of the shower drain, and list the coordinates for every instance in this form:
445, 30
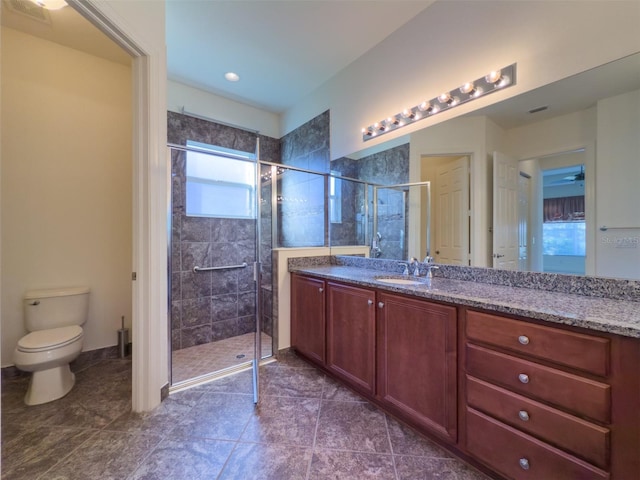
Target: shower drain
242, 355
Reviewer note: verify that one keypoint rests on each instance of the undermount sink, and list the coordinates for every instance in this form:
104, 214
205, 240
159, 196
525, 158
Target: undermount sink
399, 281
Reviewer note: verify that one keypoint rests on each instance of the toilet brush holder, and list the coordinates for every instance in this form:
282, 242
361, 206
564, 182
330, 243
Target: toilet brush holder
123, 341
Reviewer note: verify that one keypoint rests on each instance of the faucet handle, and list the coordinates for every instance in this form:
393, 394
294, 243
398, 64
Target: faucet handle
406, 268
428, 259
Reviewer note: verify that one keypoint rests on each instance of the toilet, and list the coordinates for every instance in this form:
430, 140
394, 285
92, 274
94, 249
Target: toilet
54, 318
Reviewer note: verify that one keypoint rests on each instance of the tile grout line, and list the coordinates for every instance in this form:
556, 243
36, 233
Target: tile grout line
315, 431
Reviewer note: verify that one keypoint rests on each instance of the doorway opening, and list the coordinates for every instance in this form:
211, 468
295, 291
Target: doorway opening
564, 225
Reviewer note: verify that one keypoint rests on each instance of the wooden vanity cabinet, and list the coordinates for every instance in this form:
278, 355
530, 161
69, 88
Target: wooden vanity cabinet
308, 317
417, 362
351, 338
544, 402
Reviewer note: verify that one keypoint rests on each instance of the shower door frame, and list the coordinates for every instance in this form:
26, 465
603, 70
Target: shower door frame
257, 266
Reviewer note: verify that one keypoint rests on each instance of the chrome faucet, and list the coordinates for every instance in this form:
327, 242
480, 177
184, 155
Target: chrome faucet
405, 271
416, 266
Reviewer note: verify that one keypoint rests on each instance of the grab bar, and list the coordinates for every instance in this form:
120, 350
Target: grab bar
604, 228
228, 267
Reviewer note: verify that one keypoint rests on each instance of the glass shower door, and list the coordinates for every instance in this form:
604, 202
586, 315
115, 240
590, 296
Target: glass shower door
214, 259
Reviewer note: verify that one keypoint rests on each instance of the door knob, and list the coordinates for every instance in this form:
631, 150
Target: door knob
370, 302
524, 378
380, 304
523, 340
321, 289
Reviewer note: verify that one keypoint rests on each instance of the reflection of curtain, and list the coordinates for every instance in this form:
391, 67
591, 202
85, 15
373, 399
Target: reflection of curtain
564, 209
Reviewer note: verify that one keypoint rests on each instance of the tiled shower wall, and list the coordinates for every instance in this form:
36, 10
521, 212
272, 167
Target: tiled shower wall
209, 306
388, 167
301, 215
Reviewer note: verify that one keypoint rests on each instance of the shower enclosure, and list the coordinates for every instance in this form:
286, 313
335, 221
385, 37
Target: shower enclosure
216, 280
229, 211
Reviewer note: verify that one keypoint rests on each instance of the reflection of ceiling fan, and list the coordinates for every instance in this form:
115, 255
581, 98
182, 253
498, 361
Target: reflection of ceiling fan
577, 177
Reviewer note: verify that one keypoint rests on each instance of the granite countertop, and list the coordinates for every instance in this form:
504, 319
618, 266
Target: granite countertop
620, 317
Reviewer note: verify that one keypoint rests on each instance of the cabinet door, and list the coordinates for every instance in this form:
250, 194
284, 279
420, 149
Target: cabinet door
308, 317
417, 359
351, 335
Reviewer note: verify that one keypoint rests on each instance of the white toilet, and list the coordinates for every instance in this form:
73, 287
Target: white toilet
54, 318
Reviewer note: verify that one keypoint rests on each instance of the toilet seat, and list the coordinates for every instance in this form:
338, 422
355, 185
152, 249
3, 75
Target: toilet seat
43, 340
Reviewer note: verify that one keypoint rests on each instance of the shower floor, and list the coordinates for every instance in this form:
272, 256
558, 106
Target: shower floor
191, 362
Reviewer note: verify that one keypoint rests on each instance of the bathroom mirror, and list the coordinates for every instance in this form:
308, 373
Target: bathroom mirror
591, 122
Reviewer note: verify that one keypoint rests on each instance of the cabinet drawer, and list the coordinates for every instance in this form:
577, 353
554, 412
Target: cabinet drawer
520, 456
575, 350
581, 395
583, 439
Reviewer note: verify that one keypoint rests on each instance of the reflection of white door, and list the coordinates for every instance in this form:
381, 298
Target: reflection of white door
505, 212
524, 193
451, 229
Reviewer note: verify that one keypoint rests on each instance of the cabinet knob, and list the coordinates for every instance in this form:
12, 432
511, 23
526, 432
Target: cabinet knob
524, 463
523, 340
321, 289
380, 304
524, 378
523, 415
370, 302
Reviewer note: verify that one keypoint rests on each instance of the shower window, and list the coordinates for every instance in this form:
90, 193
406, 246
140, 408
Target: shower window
218, 184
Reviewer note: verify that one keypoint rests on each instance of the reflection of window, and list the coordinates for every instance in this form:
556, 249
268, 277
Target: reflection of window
564, 238
218, 186
335, 198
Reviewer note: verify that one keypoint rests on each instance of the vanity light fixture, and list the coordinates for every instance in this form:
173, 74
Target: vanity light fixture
494, 80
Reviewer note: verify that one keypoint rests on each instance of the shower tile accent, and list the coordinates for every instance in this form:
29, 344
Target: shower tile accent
210, 306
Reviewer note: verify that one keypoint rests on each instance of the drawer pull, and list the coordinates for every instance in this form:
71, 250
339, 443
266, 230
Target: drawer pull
380, 304
523, 415
524, 378
370, 302
524, 463
321, 289
523, 340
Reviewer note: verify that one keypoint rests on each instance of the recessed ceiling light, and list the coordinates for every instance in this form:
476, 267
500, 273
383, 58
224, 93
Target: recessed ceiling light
50, 4
232, 77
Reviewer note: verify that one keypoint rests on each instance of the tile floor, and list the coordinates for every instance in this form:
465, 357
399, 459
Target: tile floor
192, 362
306, 427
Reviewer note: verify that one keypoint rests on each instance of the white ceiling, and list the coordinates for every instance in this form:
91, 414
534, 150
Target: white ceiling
282, 50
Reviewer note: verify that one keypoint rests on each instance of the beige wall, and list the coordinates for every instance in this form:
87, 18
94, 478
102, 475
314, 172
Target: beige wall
66, 182
618, 186
452, 42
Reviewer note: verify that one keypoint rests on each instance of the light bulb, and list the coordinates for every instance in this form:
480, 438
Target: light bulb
444, 97
468, 88
493, 77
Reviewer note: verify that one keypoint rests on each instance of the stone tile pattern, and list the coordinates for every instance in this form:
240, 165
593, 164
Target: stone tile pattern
388, 167
210, 306
199, 360
584, 306
301, 196
307, 427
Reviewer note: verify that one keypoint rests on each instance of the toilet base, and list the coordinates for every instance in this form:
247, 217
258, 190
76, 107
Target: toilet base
49, 385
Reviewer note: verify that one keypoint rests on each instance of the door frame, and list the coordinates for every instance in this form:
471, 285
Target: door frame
150, 376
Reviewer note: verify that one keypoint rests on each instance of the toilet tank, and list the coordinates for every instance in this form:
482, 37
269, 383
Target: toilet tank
55, 307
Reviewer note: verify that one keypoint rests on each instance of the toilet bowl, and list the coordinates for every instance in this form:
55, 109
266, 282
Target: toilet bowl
47, 352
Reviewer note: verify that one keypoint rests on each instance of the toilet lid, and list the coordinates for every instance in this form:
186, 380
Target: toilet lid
51, 338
